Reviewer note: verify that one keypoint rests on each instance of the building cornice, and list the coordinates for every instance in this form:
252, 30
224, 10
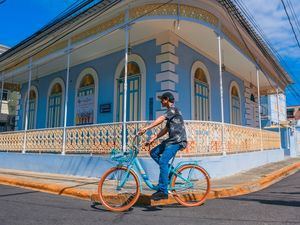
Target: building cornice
159, 10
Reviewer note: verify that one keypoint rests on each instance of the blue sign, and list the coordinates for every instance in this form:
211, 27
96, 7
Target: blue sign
105, 108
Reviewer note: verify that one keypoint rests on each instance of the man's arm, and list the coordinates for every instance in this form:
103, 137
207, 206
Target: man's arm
156, 136
162, 132
155, 123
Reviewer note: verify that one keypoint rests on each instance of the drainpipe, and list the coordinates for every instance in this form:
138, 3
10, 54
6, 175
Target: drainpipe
27, 104
66, 96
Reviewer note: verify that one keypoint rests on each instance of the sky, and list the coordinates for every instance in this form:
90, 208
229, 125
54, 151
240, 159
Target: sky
21, 18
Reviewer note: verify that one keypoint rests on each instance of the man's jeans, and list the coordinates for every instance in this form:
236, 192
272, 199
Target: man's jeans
162, 155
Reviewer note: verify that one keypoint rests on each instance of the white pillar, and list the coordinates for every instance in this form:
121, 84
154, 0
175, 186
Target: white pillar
66, 96
277, 100
259, 108
27, 104
2, 85
125, 81
221, 92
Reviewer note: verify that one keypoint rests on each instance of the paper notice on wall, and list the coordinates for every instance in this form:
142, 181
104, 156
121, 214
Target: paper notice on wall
85, 109
277, 108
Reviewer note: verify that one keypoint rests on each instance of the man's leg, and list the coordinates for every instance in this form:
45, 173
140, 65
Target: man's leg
169, 153
156, 152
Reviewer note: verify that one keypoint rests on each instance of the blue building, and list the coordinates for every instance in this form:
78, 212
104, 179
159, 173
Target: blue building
72, 76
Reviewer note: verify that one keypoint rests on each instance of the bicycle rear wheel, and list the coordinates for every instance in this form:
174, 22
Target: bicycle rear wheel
118, 189
190, 185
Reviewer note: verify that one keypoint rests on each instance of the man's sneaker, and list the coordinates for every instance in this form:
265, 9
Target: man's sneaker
159, 195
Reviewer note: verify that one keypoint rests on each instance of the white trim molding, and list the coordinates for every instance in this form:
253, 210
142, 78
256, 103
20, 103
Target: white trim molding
35, 89
235, 84
139, 60
92, 71
62, 84
195, 66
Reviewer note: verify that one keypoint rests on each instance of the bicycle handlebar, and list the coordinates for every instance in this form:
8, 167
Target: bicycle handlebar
135, 147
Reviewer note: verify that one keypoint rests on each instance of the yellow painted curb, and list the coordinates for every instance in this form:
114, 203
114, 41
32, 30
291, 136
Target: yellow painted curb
49, 188
257, 185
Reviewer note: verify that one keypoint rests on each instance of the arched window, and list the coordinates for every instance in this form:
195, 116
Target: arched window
235, 105
201, 95
85, 98
55, 106
133, 92
33, 96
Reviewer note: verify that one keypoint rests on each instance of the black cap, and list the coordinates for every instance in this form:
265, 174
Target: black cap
167, 95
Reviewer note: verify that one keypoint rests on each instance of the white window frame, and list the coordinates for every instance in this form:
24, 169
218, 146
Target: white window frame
32, 88
195, 66
62, 84
92, 71
235, 84
138, 60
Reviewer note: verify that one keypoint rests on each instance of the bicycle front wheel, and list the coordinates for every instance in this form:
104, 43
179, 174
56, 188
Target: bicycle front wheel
118, 189
190, 185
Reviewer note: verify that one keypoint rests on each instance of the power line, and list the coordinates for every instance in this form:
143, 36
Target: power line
262, 34
93, 15
294, 15
248, 15
231, 9
68, 9
290, 22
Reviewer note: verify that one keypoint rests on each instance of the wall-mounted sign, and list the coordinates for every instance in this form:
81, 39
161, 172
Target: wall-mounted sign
274, 110
105, 108
85, 109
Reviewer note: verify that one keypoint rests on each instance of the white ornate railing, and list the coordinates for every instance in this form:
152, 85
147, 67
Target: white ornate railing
205, 138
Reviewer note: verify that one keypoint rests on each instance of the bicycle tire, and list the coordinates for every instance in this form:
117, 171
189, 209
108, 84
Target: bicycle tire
182, 196
120, 200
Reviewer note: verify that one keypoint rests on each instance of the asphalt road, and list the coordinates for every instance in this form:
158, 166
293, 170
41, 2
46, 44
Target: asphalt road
278, 204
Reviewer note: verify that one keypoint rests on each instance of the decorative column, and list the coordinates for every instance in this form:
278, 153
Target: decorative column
27, 104
251, 98
167, 58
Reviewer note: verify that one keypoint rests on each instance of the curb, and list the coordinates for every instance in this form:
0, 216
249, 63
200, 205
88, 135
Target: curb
257, 185
49, 188
144, 199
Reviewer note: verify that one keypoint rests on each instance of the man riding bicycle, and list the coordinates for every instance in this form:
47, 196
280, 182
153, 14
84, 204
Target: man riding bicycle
168, 148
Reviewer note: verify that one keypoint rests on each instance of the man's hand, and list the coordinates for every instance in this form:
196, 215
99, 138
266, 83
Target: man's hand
142, 131
152, 139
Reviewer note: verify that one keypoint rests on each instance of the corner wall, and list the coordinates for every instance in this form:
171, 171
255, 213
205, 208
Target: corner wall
95, 166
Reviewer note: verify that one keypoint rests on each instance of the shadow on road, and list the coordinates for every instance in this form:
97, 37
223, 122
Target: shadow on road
291, 203
19, 193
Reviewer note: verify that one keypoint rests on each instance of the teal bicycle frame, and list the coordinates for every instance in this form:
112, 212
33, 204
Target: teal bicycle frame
135, 165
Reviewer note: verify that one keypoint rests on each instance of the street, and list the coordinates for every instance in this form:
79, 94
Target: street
278, 204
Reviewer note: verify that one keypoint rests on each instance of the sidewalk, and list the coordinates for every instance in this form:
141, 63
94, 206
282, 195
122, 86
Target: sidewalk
86, 188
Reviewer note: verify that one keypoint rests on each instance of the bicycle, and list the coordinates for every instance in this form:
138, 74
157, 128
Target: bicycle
120, 187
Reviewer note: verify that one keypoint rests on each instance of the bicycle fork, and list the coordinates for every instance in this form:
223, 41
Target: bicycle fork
123, 179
